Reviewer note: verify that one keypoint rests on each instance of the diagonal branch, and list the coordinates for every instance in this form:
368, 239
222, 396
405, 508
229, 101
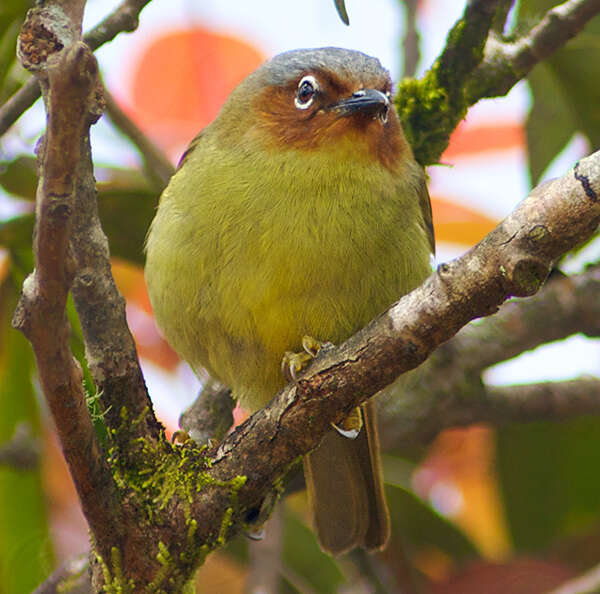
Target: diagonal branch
156, 166
448, 390
570, 302
465, 45
514, 259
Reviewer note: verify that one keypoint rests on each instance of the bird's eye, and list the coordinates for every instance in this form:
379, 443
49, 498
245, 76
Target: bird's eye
306, 93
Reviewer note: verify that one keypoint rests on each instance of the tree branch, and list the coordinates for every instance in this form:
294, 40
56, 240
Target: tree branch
408, 424
508, 62
124, 18
72, 577
431, 108
547, 401
156, 166
465, 45
410, 44
448, 390
71, 252
40, 314
210, 416
570, 302
514, 259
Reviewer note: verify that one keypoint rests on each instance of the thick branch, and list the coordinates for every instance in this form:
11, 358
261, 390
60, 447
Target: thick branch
41, 310
71, 253
431, 108
448, 389
570, 302
512, 260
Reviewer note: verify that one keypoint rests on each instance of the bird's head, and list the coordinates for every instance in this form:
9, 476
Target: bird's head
327, 99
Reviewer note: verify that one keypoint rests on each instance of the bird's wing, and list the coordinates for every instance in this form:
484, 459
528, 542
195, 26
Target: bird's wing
425, 204
190, 149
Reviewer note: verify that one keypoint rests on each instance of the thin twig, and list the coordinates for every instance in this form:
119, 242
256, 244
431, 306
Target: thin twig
18, 104
157, 167
72, 576
410, 42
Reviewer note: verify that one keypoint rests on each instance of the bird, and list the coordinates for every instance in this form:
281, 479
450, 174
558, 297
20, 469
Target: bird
294, 218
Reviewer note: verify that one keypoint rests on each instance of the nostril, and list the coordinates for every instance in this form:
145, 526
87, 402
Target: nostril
360, 93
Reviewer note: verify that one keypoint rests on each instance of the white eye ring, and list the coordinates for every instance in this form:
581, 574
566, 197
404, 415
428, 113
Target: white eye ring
308, 84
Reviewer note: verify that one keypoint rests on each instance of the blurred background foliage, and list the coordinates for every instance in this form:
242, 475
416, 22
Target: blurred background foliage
481, 509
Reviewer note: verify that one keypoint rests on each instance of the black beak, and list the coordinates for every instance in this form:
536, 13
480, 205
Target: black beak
368, 101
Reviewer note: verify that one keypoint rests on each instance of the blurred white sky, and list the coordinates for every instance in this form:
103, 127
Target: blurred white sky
493, 182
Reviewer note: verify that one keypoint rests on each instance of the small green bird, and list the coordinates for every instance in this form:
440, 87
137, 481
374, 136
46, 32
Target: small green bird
299, 211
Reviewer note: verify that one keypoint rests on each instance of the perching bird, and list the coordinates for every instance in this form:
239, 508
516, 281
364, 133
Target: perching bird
299, 211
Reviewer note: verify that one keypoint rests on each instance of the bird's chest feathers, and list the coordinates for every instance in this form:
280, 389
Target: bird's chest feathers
318, 246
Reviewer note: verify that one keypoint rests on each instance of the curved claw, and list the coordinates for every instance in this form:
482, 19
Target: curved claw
347, 433
258, 535
350, 427
294, 363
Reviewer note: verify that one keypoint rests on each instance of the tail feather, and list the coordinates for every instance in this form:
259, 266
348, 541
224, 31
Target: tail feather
345, 488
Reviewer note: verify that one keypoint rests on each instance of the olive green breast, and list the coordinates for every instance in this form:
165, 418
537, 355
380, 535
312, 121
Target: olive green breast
251, 250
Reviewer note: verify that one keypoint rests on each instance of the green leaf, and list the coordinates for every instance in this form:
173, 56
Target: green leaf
302, 555
126, 204
551, 121
16, 233
12, 14
19, 176
340, 6
549, 479
564, 89
421, 528
26, 556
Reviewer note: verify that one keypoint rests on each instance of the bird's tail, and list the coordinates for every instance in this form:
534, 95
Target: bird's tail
345, 489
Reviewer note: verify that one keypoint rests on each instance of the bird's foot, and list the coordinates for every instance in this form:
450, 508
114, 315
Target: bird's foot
294, 363
350, 426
